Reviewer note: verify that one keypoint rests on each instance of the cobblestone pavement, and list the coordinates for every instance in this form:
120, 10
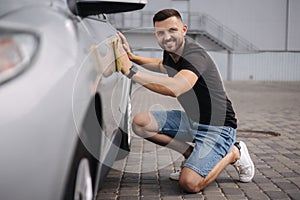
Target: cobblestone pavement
263, 110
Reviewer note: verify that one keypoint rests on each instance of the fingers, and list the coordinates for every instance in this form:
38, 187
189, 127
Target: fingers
123, 38
124, 42
125, 64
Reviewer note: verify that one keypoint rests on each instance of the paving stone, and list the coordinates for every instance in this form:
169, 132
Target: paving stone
285, 186
259, 106
106, 196
193, 196
150, 191
215, 197
128, 198
295, 195
232, 191
150, 197
277, 195
171, 197
236, 197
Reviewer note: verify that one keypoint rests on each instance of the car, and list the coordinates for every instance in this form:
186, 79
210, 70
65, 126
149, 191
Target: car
65, 109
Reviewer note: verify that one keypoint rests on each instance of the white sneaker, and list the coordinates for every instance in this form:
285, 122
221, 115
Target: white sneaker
244, 165
175, 175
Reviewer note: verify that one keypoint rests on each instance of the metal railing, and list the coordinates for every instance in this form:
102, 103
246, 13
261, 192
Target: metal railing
222, 33
198, 23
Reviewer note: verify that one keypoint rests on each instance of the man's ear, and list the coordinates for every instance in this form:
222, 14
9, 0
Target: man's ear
184, 29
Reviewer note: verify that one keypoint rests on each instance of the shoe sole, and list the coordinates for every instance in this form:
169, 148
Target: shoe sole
174, 177
243, 146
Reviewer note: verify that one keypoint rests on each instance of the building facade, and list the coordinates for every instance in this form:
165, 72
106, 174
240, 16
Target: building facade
249, 40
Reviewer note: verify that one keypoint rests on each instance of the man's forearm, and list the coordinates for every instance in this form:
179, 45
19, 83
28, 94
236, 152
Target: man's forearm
152, 64
182, 82
159, 84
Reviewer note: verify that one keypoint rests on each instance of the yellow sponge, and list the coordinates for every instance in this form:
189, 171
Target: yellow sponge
118, 61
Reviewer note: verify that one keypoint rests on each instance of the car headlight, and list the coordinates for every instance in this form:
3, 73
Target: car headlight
18, 47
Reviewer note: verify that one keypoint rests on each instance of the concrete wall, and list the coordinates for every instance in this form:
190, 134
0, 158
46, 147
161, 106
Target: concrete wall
264, 23
271, 25
294, 26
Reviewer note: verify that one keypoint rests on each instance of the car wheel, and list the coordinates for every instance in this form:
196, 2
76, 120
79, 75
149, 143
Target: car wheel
82, 173
126, 131
128, 122
83, 186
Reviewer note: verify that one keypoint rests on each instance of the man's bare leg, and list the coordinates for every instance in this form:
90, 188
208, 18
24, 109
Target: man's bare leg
145, 125
191, 181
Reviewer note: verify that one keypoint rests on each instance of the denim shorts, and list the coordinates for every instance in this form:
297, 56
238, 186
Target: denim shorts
212, 143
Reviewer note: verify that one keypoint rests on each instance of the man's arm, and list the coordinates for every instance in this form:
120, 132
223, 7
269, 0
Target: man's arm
182, 82
153, 64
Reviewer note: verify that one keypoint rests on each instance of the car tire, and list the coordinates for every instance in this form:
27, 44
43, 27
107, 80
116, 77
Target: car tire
82, 163
128, 122
126, 131
83, 186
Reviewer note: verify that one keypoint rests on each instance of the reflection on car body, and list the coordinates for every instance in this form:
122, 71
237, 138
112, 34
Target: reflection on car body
65, 112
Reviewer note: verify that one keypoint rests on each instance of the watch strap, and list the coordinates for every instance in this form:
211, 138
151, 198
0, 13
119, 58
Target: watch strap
132, 72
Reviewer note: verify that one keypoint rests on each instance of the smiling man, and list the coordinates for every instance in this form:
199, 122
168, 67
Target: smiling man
208, 119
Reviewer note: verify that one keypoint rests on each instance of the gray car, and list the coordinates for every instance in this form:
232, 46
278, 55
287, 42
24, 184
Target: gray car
64, 109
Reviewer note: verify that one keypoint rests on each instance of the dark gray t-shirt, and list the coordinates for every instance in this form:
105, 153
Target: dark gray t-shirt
207, 102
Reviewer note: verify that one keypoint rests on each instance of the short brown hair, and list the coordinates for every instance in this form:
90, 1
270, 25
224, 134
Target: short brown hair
165, 14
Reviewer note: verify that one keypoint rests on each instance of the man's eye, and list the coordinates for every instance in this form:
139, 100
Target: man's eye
159, 33
172, 30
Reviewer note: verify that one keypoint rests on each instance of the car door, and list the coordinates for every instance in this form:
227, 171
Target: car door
110, 88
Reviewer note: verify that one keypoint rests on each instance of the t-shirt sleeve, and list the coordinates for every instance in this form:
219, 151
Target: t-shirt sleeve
194, 62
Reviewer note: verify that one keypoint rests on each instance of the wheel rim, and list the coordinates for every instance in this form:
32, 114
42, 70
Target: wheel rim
83, 186
129, 121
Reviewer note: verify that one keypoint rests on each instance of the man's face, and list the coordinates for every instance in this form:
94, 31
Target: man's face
170, 34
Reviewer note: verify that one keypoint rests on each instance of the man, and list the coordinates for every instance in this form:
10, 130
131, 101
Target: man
208, 118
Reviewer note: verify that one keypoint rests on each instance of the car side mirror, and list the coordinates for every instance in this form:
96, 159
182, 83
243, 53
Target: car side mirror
85, 8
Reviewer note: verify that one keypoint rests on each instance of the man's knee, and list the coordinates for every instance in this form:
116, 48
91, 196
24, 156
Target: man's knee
140, 123
190, 181
136, 126
189, 185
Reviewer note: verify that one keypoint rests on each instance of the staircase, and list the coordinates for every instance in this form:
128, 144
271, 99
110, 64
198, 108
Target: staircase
215, 36
210, 33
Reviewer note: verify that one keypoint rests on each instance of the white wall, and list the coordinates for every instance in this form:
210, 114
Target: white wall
155, 5
261, 22
294, 26
267, 66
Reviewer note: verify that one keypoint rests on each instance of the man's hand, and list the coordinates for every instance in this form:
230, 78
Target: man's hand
124, 42
122, 59
126, 64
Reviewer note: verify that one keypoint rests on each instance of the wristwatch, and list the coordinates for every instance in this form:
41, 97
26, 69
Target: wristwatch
133, 71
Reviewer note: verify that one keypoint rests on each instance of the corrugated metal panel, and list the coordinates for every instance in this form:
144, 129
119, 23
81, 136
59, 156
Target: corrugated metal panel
221, 61
268, 66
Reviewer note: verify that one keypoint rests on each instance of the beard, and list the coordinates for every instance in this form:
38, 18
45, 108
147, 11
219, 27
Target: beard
172, 45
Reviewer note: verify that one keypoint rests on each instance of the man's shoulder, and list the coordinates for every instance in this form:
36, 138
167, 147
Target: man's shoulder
193, 49
190, 43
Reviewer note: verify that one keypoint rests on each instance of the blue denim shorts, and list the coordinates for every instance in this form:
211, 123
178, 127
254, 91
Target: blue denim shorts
212, 143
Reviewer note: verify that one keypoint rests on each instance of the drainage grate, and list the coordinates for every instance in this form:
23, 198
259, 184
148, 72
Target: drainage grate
256, 134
